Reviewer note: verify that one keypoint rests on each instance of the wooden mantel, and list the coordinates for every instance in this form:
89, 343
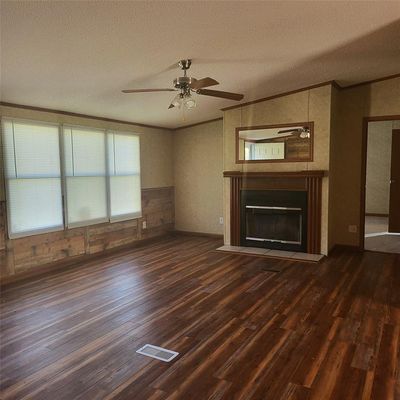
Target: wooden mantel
286, 174
309, 181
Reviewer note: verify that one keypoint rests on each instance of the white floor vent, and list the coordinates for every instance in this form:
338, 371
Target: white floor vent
159, 353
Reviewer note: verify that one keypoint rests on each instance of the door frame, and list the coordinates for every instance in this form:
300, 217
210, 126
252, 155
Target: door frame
364, 145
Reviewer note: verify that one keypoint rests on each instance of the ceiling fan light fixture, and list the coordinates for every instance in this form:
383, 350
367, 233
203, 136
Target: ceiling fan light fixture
189, 102
305, 133
177, 101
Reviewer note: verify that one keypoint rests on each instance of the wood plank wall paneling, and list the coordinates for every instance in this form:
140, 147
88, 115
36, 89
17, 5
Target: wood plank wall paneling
2, 226
297, 148
25, 254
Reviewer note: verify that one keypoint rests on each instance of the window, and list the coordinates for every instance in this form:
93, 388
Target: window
85, 176
99, 176
124, 172
33, 177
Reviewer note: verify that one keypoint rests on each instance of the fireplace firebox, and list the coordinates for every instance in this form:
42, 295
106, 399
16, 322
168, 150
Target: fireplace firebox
274, 219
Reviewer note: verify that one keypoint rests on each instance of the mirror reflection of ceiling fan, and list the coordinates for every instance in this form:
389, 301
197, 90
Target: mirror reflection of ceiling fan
303, 132
187, 85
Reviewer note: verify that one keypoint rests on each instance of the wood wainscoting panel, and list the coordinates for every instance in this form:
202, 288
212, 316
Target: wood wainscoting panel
3, 225
6, 253
158, 211
310, 181
32, 251
29, 254
107, 236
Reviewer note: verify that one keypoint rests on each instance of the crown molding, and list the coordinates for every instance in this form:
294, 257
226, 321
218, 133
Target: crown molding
333, 83
369, 82
198, 123
73, 114
275, 96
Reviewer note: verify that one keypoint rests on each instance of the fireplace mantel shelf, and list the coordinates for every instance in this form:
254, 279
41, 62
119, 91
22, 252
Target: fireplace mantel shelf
276, 174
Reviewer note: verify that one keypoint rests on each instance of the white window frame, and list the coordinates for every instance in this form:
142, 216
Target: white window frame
63, 178
35, 231
130, 216
81, 224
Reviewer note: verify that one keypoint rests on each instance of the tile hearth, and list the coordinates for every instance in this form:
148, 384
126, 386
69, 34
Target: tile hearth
257, 251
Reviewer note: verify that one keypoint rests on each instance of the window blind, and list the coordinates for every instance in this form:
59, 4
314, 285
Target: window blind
33, 177
85, 176
124, 172
100, 176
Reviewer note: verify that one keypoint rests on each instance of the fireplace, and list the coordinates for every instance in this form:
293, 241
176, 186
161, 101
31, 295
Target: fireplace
305, 192
274, 219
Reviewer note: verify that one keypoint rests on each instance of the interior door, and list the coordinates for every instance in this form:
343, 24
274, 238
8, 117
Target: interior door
394, 205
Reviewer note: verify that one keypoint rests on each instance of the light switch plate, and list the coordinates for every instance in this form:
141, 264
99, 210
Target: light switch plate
144, 224
221, 220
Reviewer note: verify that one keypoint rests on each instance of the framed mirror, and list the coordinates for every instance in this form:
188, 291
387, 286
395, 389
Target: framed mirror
275, 143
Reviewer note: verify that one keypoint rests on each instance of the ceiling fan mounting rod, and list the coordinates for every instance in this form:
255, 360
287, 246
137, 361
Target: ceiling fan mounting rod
185, 64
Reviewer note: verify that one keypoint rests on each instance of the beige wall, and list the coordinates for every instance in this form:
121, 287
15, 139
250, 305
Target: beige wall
372, 100
379, 150
156, 144
308, 105
333, 160
198, 178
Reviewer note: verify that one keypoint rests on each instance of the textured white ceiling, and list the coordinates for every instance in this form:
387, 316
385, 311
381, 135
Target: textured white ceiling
77, 56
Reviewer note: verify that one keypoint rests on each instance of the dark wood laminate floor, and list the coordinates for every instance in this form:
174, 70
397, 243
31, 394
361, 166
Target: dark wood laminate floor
311, 331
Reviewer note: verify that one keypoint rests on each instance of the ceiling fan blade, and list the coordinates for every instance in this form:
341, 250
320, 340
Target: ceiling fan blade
147, 90
202, 83
218, 93
288, 131
171, 106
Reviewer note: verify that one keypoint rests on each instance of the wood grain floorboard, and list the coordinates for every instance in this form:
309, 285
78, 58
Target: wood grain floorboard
327, 331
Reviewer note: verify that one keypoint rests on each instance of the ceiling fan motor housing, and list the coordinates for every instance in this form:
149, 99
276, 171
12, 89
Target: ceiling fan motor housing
182, 82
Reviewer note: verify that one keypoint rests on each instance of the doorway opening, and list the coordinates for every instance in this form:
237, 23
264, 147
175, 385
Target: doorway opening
381, 217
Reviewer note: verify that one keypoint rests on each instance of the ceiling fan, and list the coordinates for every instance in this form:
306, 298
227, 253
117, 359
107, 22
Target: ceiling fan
303, 132
187, 85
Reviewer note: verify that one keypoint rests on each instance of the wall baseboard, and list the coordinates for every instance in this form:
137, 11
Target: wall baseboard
345, 247
203, 234
376, 215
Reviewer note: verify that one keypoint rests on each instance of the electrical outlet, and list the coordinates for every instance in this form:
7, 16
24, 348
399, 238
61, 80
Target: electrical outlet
144, 224
221, 220
353, 228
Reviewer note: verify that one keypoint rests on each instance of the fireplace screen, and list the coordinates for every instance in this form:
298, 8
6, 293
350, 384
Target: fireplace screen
274, 224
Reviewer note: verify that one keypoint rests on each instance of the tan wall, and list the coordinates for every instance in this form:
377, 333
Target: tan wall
308, 105
379, 150
377, 99
198, 178
333, 160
